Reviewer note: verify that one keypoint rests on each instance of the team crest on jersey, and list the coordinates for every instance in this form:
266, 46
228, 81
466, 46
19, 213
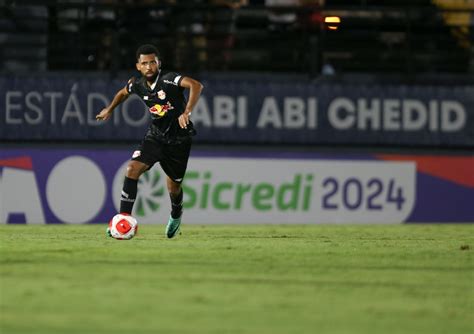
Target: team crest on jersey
161, 110
161, 94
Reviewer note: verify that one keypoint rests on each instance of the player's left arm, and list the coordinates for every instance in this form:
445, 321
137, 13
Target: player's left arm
195, 88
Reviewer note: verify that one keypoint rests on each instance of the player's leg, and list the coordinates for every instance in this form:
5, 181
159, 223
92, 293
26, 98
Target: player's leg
174, 164
130, 185
176, 197
142, 160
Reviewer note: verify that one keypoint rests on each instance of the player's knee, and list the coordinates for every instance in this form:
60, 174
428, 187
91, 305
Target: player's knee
134, 170
174, 187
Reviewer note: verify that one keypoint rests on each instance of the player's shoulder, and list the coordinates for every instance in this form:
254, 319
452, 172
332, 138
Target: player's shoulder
172, 78
136, 81
133, 84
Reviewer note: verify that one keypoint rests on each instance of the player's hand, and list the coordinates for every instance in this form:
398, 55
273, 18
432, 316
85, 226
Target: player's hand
103, 115
184, 119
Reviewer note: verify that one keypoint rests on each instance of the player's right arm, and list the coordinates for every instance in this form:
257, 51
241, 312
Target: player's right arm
121, 96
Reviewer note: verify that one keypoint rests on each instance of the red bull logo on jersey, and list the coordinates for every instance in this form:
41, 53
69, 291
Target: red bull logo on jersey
160, 109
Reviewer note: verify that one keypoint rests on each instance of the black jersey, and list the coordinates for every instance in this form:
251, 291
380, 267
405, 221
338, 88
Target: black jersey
165, 102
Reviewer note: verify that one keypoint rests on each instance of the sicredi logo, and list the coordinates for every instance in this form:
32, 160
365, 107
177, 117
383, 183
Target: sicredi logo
263, 196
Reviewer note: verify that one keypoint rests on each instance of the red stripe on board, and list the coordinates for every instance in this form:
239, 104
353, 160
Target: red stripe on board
459, 170
21, 162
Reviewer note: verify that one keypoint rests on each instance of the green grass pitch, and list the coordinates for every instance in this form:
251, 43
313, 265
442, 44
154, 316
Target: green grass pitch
238, 279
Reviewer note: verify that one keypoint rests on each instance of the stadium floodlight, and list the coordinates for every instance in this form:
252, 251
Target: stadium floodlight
332, 22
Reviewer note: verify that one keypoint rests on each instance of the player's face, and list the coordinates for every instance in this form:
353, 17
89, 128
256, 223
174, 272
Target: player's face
148, 66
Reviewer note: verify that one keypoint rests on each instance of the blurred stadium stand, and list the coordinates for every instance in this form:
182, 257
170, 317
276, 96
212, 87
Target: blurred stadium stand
383, 37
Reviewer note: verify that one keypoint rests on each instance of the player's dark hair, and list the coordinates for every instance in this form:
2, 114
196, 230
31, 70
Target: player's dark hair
147, 49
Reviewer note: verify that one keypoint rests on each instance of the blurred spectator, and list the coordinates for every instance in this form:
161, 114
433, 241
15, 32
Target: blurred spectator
146, 22
100, 28
222, 31
311, 17
191, 43
281, 19
68, 18
24, 27
65, 38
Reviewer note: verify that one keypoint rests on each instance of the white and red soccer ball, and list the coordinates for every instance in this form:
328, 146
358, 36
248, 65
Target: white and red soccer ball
122, 227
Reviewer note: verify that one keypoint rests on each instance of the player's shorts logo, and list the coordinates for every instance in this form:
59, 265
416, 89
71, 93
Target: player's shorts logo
160, 110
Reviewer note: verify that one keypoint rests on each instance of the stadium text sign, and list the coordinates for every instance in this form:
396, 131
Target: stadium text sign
221, 111
342, 114
247, 112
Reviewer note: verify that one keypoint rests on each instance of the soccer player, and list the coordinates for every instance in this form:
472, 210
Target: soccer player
169, 136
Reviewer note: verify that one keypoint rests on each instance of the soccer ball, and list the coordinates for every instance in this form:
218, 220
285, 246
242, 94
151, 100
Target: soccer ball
122, 227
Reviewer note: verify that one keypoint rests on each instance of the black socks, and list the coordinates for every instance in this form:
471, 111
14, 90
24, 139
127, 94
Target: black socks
176, 205
129, 193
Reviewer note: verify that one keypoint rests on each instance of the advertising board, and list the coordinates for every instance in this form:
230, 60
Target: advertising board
83, 186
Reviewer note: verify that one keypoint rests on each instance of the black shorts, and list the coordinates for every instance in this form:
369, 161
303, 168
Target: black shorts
173, 158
